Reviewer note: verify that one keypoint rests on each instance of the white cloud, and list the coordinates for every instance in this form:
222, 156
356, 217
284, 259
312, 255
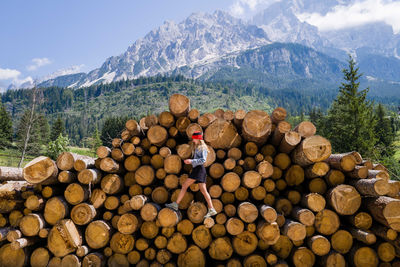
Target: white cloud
247, 8
38, 62
6, 74
356, 14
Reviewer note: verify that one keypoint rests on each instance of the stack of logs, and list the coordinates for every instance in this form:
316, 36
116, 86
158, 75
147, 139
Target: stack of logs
282, 197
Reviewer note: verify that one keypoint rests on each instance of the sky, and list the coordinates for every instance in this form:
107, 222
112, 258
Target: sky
38, 38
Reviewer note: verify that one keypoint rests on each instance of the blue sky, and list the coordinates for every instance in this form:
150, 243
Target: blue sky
41, 37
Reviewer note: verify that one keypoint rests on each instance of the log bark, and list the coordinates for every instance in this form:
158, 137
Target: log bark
11, 174
371, 187
289, 141
385, 210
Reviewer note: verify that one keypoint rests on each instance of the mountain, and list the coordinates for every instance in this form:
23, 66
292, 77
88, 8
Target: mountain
219, 47
199, 38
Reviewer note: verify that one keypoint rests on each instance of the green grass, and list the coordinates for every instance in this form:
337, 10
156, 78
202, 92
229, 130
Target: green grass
11, 158
82, 151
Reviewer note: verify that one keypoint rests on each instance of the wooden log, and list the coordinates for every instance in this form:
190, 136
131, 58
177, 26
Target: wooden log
222, 134
76, 193
318, 169
97, 234
294, 175
289, 141
132, 126
363, 256
344, 199
173, 164
394, 188
220, 249
371, 187
386, 233
55, 209
282, 161
34, 203
41, 170
378, 174
137, 202
201, 236
157, 135
268, 213
333, 259
366, 237
359, 172
118, 260
31, 224
304, 257
94, 260
89, 176
279, 132
10, 257
334, 177
234, 226
179, 105
385, 210
97, 198
265, 169
83, 213
312, 149
305, 129
128, 223
230, 182
70, 260
386, 252
112, 183
160, 195
111, 166
361, 220
247, 211
40, 257
117, 154
11, 174
256, 126
103, 152
314, 202
319, 245
326, 222
66, 160
196, 212
294, 230
181, 124
244, 243
268, 232
193, 256
64, 238
304, 216
251, 179
168, 217
344, 162
177, 243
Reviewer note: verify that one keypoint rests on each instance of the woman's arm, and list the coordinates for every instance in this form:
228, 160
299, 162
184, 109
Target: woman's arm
201, 160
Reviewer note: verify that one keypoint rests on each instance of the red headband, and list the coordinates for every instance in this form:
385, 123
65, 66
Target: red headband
197, 135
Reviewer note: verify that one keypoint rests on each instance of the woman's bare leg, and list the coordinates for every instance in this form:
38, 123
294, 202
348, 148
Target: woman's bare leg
203, 190
185, 186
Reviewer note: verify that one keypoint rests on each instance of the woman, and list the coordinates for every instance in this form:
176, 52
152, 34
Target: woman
198, 174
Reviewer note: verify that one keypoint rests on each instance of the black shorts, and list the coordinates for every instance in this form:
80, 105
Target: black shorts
199, 174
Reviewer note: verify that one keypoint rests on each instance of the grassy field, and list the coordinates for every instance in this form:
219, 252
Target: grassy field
11, 157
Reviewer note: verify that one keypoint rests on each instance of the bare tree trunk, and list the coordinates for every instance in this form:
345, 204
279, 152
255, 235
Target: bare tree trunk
28, 131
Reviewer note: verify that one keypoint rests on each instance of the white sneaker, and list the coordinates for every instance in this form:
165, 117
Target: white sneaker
211, 212
173, 206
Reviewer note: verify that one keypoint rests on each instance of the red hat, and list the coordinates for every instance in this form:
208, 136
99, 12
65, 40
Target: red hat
197, 135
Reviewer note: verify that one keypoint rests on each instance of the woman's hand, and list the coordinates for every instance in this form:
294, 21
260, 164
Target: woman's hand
187, 161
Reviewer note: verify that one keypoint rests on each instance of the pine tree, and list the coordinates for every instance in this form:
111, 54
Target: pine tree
31, 142
44, 129
112, 127
5, 127
57, 129
384, 132
350, 122
95, 141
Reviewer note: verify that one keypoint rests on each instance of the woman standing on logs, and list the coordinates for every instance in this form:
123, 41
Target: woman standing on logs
198, 174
